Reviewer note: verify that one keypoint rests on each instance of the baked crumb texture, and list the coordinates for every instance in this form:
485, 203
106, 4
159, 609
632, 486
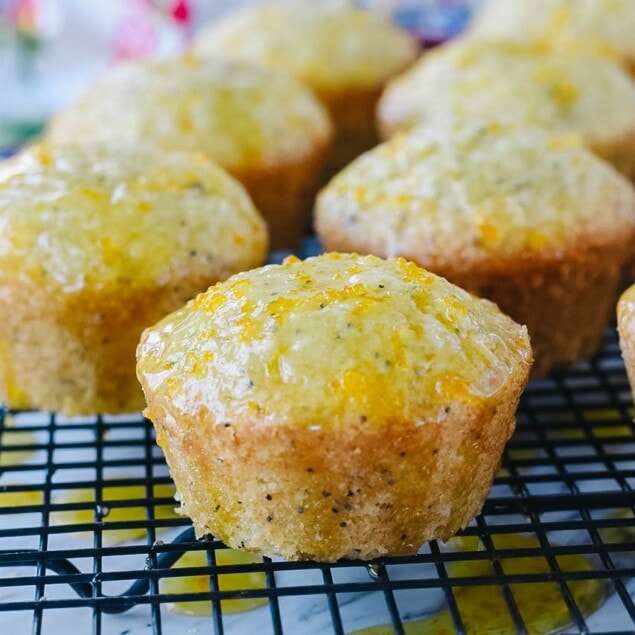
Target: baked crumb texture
343, 53
626, 329
97, 244
265, 128
599, 27
563, 93
528, 219
341, 406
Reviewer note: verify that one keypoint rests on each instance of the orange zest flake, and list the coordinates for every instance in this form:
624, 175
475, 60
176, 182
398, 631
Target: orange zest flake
565, 142
185, 121
290, 260
190, 362
92, 193
536, 240
207, 357
489, 233
198, 366
399, 354
248, 326
412, 272
565, 94
171, 383
496, 127
360, 194
145, 206
248, 306
281, 306
240, 286
453, 387
210, 302
455, 309
275, 363
110, 253
465, 59
303, 278
44, 156
358, 386
349, 291
403, 199
560, 17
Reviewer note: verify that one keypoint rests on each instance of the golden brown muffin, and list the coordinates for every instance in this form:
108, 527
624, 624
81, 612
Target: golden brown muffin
604, 27
468, 79
626, 329
343, 406
265, 128
530, 220
97, 244
345, 54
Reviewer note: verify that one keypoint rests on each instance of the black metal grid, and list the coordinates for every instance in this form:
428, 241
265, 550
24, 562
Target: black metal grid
567, 480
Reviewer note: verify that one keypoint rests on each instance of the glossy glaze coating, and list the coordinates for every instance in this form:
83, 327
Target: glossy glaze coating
315, 342
79, 217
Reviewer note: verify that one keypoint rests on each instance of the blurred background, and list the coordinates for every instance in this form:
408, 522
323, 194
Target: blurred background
51, 49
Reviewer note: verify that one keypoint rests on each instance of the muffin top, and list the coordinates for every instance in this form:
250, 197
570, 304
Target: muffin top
329, 45
590, 96
240, 115
85, 217
331, 339
604, 26
452, 196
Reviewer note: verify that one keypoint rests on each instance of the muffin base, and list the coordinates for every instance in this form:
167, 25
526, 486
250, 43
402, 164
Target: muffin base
284, 195
360, 490
353, 115
620, 153
75, 353
566, 306
626, 330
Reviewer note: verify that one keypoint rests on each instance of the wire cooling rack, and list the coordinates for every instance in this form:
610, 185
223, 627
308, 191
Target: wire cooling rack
553, 550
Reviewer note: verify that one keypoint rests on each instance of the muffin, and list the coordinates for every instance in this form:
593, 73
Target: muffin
338, 407
97, 244
265, 128
589, 96
528, 219
626, 329
605, 27
345, 54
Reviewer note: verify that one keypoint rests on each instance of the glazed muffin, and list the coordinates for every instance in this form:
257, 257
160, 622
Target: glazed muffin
605, 27
530, 220
626, 330
589, 96
345, 54
265, 128
338, 407
96, 245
